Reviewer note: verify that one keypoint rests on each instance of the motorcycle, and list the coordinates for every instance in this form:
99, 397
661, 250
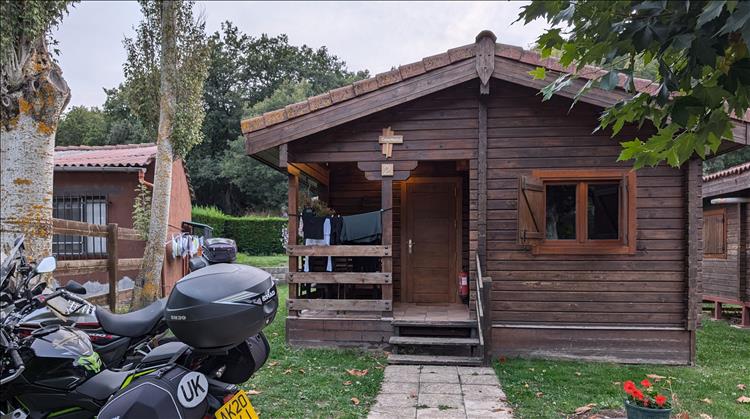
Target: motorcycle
54, 370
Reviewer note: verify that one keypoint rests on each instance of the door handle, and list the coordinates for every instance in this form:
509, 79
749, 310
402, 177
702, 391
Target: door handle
411, 245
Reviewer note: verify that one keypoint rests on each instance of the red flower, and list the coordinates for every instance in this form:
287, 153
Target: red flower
637, 394
629, 386
660, 400
646, 383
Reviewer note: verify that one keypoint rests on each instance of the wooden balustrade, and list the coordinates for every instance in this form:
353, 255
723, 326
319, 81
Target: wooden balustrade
382, 279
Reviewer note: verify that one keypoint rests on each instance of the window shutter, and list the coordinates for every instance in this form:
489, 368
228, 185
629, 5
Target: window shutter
624, 205
531, 224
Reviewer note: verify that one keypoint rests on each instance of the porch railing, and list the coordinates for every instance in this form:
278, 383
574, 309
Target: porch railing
483, 309
112, 264
383, 279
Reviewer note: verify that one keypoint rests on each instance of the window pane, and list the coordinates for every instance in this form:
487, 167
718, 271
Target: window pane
561, 212
604, 211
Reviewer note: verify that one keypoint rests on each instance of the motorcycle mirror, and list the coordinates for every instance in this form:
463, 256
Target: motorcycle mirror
47, 264
75, 288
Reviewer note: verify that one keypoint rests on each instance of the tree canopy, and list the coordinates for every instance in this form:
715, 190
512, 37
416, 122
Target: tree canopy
143, 74
699, 49
243, 71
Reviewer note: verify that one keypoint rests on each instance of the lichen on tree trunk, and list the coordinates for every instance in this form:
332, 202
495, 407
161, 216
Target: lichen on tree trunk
31, 107
147, 284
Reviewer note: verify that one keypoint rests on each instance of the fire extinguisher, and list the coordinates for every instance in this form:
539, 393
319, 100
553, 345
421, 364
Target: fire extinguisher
463, 287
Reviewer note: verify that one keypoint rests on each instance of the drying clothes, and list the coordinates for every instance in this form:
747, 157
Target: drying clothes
317, 242
312, 225
364, 228
336, 224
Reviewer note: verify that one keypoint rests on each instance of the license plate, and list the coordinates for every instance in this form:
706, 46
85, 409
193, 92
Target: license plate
238, 407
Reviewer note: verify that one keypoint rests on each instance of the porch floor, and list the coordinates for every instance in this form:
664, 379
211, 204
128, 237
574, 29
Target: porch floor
430, 312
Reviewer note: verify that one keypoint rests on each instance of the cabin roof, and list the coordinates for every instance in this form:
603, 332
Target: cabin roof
732, 171
122, 155
520, 59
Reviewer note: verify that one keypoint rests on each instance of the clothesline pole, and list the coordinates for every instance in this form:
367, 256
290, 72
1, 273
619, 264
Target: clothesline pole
386, 202
292, 230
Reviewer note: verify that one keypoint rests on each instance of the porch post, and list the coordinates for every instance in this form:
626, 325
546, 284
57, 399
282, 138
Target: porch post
386, 204
292, 226
694, 184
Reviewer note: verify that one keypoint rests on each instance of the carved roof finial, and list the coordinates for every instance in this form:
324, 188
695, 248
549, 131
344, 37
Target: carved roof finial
486, 34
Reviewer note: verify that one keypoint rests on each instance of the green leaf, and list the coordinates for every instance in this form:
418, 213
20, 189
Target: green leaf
538, 73
711, 11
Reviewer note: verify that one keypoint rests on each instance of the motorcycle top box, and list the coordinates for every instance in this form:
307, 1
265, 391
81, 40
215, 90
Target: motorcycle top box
221, 305
220, 250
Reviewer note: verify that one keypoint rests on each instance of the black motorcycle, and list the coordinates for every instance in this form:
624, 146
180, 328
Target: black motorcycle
54, 371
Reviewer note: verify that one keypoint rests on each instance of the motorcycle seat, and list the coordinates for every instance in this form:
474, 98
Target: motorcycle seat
133, 324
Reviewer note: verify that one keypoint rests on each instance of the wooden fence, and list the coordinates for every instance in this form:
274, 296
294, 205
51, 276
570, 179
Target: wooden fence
112, 264
382, 279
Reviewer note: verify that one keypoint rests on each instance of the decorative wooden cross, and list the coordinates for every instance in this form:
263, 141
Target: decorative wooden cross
388, 139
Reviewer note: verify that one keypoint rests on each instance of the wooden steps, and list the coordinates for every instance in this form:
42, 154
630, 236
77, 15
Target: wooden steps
432, 341
467, 361
444, 342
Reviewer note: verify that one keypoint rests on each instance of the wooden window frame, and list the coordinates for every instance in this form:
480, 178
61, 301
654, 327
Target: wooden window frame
713, 212
624, 245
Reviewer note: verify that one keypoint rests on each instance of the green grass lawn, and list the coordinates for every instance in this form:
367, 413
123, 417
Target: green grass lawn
313, 382
271, 261
723, 363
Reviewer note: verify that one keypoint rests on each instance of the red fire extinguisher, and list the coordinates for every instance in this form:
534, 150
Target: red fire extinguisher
463, 287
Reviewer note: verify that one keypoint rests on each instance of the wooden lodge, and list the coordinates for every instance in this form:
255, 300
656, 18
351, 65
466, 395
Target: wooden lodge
726, 239
570, 254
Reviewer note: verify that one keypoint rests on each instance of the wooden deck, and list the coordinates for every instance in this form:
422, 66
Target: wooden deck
430, 313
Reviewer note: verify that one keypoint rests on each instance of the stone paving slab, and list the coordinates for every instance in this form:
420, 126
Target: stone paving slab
425, 392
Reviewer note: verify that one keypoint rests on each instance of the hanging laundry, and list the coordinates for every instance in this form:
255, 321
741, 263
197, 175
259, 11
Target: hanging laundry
336, 224
325, 241
312, 225
364, 228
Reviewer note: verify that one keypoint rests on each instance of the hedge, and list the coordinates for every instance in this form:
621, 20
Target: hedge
254, 235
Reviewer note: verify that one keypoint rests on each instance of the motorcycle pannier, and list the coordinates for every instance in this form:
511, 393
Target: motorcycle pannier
218, 250
220, 306
170, 392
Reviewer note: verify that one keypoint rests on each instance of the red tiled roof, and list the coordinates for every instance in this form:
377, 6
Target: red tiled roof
124, 155
425, 65
734, 170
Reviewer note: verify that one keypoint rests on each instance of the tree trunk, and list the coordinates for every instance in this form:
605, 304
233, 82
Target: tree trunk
147, 285
31, 108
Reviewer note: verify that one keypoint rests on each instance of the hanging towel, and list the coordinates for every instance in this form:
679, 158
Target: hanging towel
364, 228
312, 225
324, 242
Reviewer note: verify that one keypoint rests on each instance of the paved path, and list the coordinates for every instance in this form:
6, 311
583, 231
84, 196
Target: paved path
415, 391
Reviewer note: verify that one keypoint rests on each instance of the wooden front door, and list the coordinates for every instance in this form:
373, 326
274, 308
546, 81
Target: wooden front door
430, 239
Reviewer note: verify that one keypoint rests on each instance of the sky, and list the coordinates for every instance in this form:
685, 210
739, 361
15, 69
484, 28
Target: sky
367, 35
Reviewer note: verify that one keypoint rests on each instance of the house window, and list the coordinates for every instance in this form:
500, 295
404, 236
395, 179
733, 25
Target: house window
87, 209
715, 233
577, 211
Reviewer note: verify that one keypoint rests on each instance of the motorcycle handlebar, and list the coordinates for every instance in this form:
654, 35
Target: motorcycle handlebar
15, 358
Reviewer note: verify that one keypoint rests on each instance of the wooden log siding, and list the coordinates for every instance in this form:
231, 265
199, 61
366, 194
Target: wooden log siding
580, 295
721, 273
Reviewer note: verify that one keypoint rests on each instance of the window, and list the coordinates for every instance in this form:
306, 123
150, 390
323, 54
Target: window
715, 233
578, 211
87, 209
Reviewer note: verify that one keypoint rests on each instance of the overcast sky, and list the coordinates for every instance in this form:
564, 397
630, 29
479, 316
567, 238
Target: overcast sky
367, 35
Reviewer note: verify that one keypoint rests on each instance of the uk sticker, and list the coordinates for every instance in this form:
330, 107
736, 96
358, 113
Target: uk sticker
192, 390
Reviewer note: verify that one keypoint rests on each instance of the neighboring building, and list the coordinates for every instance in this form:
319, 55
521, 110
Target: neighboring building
98, 185
588, 259
726, 239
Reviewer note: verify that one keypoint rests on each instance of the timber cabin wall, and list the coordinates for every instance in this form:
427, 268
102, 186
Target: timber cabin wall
721, 275
600, 307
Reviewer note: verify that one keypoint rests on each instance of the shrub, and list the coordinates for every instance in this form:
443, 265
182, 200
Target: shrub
254, 235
